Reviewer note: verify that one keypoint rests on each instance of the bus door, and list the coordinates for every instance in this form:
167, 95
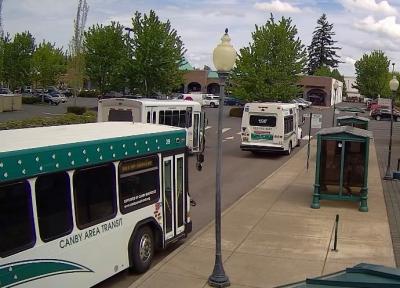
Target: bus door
151, 115
174, 195
196, 131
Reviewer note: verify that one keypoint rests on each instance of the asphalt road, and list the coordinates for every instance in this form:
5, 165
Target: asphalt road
242, 171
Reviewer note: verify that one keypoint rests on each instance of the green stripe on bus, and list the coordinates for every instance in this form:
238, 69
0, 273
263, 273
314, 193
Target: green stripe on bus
13, 274
32, 162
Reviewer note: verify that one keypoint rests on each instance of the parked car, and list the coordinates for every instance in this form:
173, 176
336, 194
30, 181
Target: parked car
48, 98
300, 104
384, 113
305, 101
5, 91
56, 94
232, 101
212, 101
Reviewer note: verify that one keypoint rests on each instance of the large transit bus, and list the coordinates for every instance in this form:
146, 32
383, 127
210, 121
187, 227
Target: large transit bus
178, 113
270, 127
79, 203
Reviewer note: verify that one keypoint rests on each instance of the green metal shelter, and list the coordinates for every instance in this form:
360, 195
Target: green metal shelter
342, 166
355, 121
361, 275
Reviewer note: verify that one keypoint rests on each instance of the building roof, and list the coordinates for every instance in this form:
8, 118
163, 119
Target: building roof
361, 275
212, 74
346, 117
33, 151
186, 66
347, 130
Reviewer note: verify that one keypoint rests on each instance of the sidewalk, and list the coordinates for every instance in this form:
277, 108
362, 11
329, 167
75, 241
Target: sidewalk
272, 237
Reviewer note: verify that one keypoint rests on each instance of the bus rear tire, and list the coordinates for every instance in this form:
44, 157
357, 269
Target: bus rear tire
142, 250
289, 148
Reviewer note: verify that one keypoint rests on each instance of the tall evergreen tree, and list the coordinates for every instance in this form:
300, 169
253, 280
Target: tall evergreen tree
322, 51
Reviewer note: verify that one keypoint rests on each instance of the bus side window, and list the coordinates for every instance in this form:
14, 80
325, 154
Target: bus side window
135, 183
189, 117
94, 191
53, 202
175, 118
182, 118
288, 124
161, 119
16, 218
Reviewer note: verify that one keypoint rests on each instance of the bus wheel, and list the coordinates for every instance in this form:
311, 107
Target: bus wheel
143, 250
289, 150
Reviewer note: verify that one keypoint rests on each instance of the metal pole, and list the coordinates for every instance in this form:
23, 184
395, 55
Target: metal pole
309, 141
388, 174
334, 109
218, 278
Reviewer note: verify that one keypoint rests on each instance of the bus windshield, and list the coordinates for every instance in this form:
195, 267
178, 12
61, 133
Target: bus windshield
265, 121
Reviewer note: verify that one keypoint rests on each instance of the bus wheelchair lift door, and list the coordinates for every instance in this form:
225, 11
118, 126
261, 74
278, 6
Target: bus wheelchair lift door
174, 195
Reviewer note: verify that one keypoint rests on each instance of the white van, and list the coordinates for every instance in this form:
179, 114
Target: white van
270, 127
203, 99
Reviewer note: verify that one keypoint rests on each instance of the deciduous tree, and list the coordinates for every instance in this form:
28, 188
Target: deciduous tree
156, 53
268, 69
372, 75
106, 56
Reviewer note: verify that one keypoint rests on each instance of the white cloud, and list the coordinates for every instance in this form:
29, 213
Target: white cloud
349, 60
385, 27
277, 6
369, 5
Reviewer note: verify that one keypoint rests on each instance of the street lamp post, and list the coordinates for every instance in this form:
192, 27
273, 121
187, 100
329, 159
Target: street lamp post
394, 85
224, 57
335, 86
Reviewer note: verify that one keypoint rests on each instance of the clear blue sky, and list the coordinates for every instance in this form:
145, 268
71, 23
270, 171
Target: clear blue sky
360, 25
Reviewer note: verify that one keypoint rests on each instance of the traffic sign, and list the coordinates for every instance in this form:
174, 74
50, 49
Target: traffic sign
316, 121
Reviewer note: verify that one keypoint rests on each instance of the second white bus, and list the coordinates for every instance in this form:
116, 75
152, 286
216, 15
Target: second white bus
178, 113
270, 127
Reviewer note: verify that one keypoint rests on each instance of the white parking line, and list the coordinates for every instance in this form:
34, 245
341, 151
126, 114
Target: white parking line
240, 133
229, 138
306, 137
225, 129
208, 127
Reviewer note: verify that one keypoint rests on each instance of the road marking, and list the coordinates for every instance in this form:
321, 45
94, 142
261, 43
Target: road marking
208, 127
306, 137
240, 133
229, 138
225, 129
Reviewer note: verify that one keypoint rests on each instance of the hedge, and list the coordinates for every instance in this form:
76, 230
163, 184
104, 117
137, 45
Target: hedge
78, 110
89, 94
66, 119
236, 112
30, 100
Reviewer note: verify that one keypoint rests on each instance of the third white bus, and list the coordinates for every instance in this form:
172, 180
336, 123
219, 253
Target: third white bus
178, 113
270, 127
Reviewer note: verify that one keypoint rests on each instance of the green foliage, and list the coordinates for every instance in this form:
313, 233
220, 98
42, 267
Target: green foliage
373, 77
17, 60
78, 110
157, 52
106, 55
321, 52
236, 112
48, 64
88, 93
268, 69
30, 100
66, 119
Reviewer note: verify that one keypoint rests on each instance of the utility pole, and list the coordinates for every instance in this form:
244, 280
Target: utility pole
1, 19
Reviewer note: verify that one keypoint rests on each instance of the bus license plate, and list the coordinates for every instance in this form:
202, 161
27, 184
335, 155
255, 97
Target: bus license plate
261, 136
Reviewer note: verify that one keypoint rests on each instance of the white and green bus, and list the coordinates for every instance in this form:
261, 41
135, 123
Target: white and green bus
79, 203
177, 113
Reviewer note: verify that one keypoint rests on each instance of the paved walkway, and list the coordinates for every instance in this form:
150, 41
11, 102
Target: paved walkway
271, 236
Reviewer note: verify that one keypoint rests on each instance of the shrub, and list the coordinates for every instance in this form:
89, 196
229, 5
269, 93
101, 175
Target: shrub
30, 100
78, 110
236, 112
87, 117
88, 93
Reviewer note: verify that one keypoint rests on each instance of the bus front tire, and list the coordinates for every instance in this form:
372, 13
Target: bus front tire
143, 250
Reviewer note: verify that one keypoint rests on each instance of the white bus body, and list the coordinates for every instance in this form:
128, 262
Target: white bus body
270, 127
80, 203
178, 113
